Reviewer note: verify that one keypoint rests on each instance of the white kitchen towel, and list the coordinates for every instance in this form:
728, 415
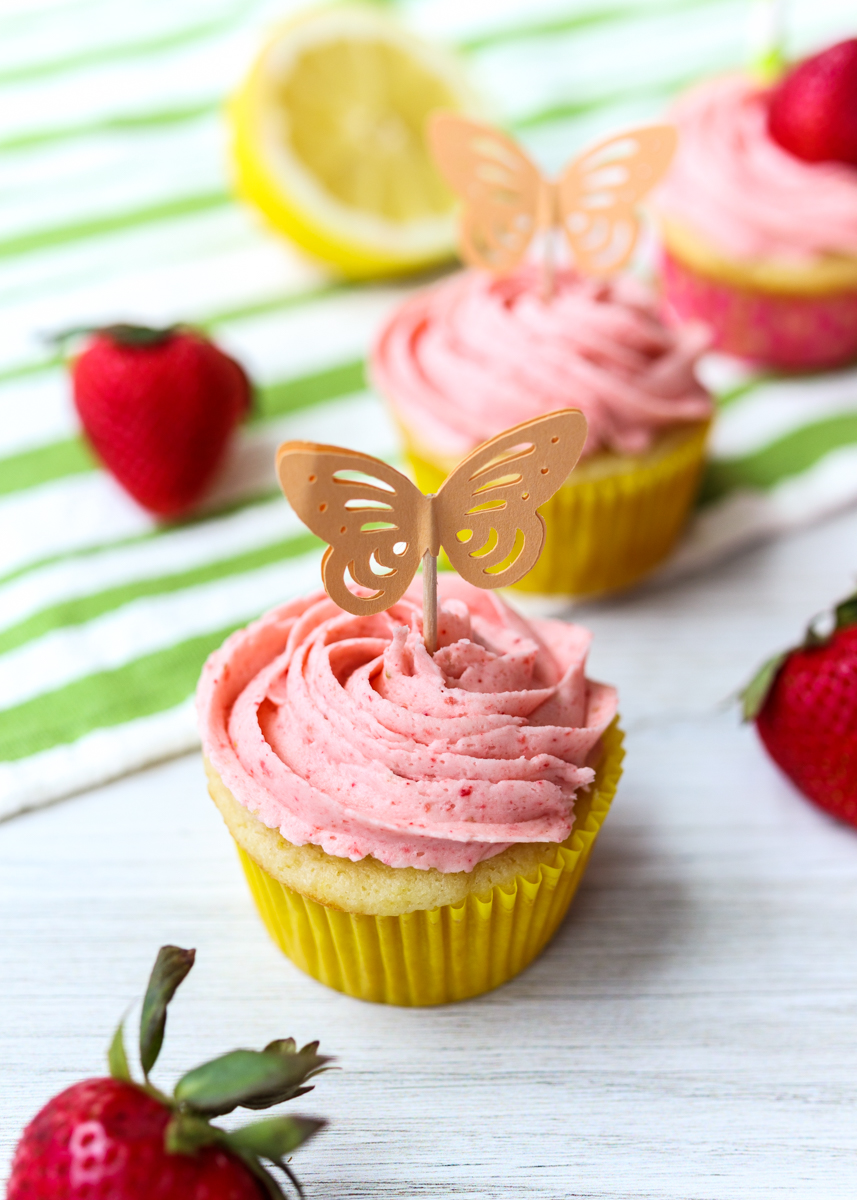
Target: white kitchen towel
115, 204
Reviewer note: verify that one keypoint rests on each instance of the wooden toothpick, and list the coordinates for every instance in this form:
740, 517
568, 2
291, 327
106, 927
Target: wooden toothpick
430, 601
549, 266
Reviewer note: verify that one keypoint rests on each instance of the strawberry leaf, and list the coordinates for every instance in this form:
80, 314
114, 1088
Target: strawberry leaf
125, 334
274, 1138
171, 967
286, 1046
308, 1060
117, 1059
137, 335
247, 1078
756, 692
818, 633
270, 1188
846, 612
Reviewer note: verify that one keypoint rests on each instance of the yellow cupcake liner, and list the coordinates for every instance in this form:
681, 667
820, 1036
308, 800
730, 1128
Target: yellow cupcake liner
606, 530
444, 954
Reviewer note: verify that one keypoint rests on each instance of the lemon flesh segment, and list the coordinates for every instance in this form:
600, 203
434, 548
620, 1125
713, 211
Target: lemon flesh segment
329, 141
355, 116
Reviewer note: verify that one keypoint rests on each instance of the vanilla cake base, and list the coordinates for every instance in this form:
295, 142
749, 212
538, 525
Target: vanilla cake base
368, 886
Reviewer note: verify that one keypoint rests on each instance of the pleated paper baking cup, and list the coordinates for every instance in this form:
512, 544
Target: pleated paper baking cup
613, 522
792, 331
443, 954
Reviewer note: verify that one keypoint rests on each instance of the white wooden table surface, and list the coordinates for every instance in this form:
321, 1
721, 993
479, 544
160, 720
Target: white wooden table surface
691, 1032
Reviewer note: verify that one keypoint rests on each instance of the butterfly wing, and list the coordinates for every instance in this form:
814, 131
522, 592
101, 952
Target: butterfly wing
485, 512
599, 193
501, 189
369, 514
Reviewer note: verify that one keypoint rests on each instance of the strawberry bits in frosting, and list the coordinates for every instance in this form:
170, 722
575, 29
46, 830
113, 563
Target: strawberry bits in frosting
474, 355
344, 732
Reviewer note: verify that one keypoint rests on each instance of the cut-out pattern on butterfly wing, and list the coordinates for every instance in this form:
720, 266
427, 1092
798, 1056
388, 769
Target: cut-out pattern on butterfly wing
599, 193
363, 521
486, 509
502, 190
506, 200
378, 525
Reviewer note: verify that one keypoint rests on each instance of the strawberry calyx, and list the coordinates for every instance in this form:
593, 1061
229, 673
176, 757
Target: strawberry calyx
122, 332
137, 335
753, 696
819, 632
845, 613
254, 1079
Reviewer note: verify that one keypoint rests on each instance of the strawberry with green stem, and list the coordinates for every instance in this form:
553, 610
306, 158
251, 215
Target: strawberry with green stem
159, 407
804, 704
118, 1139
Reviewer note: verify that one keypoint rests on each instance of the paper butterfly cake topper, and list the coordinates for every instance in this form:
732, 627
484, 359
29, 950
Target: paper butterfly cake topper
507, 201
379, 526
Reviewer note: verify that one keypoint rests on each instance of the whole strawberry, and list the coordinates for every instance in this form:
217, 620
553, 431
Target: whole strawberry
813, 109
804, 703
114, 1139
159, 406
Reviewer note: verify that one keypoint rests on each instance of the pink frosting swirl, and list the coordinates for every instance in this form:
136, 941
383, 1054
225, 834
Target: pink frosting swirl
734, 185
466, 359
344, 732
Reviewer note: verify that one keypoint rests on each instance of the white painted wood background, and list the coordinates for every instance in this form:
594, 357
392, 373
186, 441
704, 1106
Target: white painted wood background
690, 1034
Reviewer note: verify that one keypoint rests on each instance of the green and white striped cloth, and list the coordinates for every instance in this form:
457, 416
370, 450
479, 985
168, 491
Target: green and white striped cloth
114, 204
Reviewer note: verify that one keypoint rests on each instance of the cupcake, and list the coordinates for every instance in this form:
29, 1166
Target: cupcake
759, 243
464, 359
413, 828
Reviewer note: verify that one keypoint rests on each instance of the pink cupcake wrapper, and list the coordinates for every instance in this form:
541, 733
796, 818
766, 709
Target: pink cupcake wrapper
778, 329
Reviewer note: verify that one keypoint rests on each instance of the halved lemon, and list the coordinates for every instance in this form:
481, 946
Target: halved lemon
328, 140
